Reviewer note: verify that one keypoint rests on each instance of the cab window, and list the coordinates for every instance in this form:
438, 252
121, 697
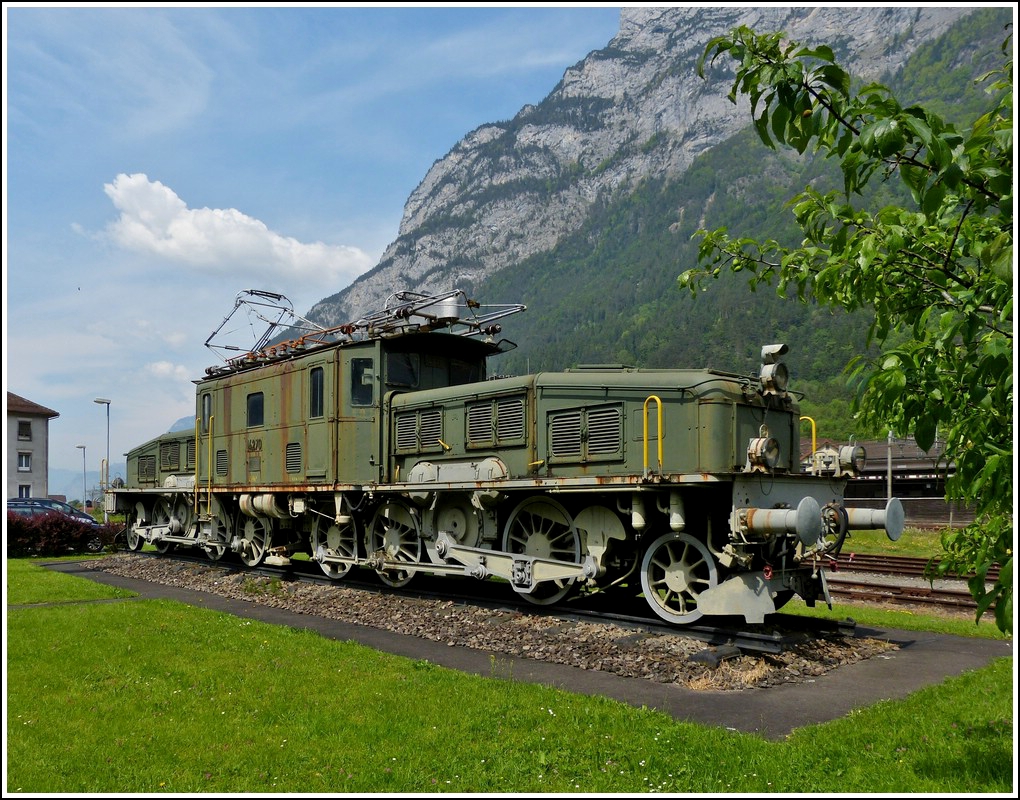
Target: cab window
403, 369
206, 412
362, 381
256, 410
315, 392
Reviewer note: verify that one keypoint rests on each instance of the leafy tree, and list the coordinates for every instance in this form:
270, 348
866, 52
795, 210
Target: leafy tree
937, 275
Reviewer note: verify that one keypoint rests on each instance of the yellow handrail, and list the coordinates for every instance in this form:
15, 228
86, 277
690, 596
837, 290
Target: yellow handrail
198, 450
658, 432
813, 447
209, 465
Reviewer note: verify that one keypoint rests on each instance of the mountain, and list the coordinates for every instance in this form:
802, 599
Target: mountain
583, 206
68, 483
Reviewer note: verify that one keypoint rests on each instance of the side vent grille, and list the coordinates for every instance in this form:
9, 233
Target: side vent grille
407, 434
603, 431
586, 434
221, 462
191, 452
431, 428
170, 456
147, 468
510, 419
479, 423
565, 434
499, 421
419, 430
293, 457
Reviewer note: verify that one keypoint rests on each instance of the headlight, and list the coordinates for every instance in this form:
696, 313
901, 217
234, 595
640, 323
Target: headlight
774, 378
763, 453
852, 458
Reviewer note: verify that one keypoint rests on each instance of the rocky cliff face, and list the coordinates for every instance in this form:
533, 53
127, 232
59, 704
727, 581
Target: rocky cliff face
633, 109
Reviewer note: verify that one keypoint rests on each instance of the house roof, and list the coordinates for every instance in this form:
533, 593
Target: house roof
904, 454
16, 404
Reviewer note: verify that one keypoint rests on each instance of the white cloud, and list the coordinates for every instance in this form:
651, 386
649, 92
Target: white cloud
165, 369
154, 220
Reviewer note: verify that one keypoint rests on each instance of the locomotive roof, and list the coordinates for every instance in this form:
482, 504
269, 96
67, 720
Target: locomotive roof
620, 379
406, 316
426, 343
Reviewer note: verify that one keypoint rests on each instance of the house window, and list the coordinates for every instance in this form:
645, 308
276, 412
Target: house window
24, 430
256, 410
24, 462
315, 392
24, 490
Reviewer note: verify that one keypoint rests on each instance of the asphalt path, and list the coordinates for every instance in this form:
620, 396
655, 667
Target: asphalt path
923, 659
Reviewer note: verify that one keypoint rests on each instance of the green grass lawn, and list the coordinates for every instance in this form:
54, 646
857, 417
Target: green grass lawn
913, 542
154, 696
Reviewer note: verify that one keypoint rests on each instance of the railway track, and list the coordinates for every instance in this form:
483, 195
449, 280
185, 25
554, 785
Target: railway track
777, 635
891, 565
854, 578
905, 582
865, 591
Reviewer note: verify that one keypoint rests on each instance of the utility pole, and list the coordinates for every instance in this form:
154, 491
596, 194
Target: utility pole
83, 491
888, 469
104, 474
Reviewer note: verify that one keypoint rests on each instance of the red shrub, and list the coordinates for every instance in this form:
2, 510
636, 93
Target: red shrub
54, 535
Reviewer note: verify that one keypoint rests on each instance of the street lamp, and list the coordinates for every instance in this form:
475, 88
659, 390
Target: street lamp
104, 477
82, 448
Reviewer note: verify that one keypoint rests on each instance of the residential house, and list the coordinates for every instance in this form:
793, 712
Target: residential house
28, 444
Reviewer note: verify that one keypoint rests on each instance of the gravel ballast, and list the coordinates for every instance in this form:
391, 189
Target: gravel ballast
669, 658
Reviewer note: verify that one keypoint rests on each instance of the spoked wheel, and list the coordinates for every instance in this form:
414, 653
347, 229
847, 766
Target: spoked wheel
336, 540
394, 531
256, 535
676, 569
135, 541
219, 536
454, 515
542, 528
161, 517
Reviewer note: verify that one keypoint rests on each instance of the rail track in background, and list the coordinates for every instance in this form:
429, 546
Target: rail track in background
845, 582
865, 591
910, 566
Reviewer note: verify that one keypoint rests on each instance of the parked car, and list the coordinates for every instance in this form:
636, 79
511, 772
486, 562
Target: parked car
91, 539
30, 506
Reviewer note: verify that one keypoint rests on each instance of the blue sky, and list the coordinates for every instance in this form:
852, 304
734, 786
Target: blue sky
158, 160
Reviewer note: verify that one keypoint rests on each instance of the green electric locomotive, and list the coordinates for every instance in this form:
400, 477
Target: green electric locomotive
381, 444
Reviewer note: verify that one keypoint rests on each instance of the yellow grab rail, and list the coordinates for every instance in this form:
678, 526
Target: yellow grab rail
658, 432
813, 436
198, 451
209, 466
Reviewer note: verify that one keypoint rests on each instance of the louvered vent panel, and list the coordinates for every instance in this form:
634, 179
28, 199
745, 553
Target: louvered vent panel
603, 431
510, 419
191, 452
221, 462
170, 455
479, 423
406, 433
293, 457
147, 468
565, 435
431, 427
